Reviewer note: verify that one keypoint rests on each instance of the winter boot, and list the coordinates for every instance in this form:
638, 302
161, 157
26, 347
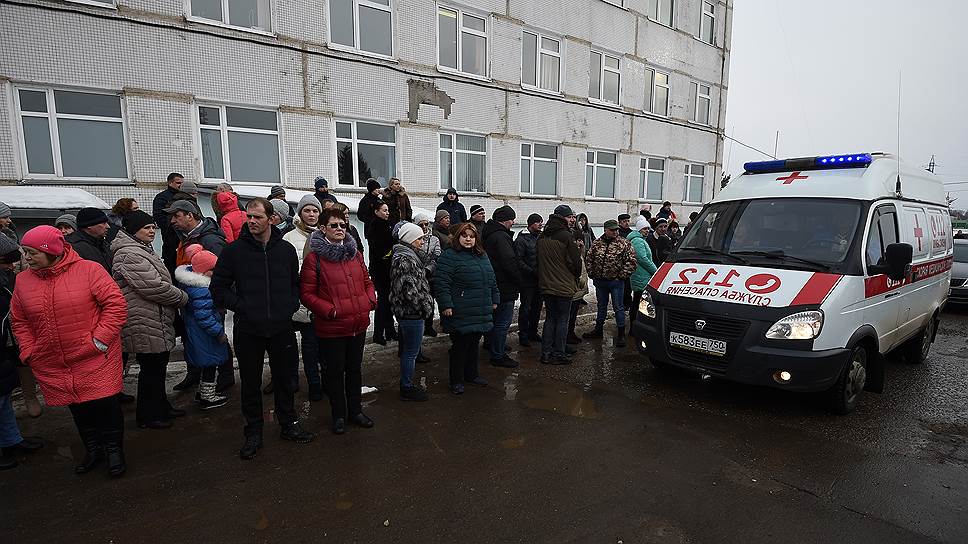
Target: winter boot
192, 377
596, 333
209, 398
620, 338
114, 449
94, 449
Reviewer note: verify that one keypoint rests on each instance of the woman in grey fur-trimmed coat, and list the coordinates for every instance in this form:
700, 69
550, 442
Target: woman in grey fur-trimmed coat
153, 300
411, 302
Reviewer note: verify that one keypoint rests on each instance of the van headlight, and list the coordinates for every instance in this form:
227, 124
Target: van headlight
646, 307
799, 326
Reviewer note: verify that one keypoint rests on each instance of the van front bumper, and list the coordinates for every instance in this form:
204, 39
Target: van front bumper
746, 361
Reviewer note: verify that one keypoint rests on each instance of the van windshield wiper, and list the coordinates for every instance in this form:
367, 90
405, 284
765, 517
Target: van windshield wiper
779, 254
710, 251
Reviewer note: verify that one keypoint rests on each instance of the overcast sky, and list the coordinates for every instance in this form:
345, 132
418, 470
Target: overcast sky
825, 74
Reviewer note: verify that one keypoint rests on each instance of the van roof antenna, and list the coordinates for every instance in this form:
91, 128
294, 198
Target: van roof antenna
897, 185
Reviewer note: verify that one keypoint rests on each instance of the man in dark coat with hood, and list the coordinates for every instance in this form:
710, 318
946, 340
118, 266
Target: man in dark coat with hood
369, 203
451, 203
526, 251
192, 228
322, 191
559, 271
89, 240
169, 239
499, 245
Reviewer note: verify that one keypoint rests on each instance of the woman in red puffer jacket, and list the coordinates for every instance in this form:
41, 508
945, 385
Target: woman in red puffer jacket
67, 315
337, 289
232, 217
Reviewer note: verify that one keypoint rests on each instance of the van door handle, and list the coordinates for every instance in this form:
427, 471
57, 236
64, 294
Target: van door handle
889, 295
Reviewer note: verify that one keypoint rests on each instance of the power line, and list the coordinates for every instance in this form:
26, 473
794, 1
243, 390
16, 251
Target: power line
728, 137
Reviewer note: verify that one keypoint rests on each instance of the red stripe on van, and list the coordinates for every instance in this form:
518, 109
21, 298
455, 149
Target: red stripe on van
816, 289
660, 275
880, 284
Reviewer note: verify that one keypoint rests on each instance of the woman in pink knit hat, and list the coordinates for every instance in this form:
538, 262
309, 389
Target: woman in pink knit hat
67, 315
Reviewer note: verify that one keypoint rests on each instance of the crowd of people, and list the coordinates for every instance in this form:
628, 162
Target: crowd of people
295, 282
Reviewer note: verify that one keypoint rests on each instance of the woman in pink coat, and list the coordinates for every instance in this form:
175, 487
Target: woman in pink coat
67, 315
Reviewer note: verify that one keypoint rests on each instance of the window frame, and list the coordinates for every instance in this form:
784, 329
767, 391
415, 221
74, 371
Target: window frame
453, 151
655, 84
460, 11
113, 3
224, 139
703, 17
601, 78
52, 116
539, 50
875, 222
595, 166
689, 178
189, 16
697, 96
355, 141
653, 15
643, 181
356, 29
532, 158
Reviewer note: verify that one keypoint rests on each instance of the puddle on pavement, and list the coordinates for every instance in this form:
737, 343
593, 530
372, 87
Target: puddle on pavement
513, 443
262, 523
551, 396
344, 505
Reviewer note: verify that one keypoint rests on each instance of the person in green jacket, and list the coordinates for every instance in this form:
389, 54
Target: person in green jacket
644, 268
467, 294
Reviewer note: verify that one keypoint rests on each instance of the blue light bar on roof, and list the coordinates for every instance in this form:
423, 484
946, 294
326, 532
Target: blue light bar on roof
827, 162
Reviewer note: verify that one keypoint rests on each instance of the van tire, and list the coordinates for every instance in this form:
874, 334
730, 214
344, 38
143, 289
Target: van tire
844, 394
916, 350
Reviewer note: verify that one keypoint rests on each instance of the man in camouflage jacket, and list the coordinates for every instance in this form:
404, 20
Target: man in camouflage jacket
610, 261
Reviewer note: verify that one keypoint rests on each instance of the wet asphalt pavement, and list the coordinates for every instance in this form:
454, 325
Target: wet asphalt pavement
605, 450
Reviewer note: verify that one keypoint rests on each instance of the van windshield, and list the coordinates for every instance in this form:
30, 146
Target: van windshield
804, 232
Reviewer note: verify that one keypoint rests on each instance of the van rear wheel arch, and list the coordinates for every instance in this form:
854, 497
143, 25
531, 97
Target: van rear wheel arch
866, 337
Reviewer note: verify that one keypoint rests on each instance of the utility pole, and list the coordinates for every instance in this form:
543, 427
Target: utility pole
931, 164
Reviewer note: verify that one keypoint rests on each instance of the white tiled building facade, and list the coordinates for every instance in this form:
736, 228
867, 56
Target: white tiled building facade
603, 105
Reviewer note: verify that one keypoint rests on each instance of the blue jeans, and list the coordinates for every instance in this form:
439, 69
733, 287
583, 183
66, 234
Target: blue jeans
557, 312
411, 334
9, 432
503, 315
616, 290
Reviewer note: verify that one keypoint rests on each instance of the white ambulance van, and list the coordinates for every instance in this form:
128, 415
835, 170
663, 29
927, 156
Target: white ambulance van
803, 274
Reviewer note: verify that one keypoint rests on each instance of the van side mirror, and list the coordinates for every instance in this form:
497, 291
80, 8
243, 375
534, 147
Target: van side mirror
898, 259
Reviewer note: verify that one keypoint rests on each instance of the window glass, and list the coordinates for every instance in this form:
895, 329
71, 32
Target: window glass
549, 45
469, 172
665, 12
550, 70
447, 37
529, 54
249, 13
375, 32
473, 54
589, 178
545, 178
40, 156
605, 182
471, 143
888, 222
209, 9
33, 101
376, 161
212, 154
254, 157
446, 141
246, 118
606, 158
446, 169
342, 23
649, 84
611, 87
101, 105
374, 133
473, 23
344, 130
344, 162
595, 75
875, 251
209, 116
93, 149
545, 151
525, 176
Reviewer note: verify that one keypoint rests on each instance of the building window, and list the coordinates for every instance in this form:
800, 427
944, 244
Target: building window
656, 92
365, 25
461, 41
240, 13
463, 162
540, 62
364, 151
662, 11
104, 3
707, 23
70, 134
239, 144
692, 190
600, 174
539, 169
700, 97
651, 178
605, 77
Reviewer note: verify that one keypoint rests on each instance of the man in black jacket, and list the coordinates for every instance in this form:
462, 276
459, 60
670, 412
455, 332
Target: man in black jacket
192, 228
257, 277
659, 242
169, 240
368, 204
89, 238
322, 191
526, 250
499, 245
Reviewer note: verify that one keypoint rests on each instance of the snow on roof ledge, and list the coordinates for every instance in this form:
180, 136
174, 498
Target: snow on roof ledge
49, 198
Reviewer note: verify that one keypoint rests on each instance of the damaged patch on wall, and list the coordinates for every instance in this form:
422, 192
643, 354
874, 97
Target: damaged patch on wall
426, 92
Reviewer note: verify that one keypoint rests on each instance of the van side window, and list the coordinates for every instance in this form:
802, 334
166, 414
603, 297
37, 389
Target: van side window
883, 232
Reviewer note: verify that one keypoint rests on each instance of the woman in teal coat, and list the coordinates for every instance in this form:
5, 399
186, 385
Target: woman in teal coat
644, 267
467, 294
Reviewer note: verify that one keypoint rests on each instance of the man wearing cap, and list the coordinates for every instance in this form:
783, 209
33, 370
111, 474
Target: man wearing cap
161, 201
89, 238
192, 228
659, 241
453, 207
559, 271
322, 191
525, 249
442, 227
499, 246
66, 223
477, 217
610, 262
279, 192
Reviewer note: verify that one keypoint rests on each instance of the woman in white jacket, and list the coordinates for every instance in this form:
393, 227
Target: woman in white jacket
306, 223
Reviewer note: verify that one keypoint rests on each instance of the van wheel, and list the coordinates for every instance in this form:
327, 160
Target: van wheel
916, 352
850, 384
